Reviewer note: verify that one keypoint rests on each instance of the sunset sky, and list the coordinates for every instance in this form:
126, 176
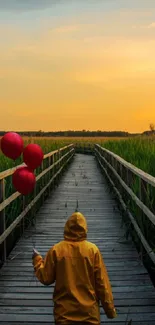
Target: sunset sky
77, 64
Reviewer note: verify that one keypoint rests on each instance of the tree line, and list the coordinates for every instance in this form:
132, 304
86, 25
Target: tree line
83, 133
71, 133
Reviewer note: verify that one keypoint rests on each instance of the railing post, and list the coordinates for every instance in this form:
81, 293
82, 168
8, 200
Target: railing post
34, 208
49, 173
23, 220
42, 180
59, 165
54, 169
3, 250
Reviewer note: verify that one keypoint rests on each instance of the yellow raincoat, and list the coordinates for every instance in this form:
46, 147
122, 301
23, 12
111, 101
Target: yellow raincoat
81, 280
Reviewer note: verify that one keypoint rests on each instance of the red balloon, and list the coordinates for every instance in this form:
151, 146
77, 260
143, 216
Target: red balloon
12, 145
33, 155
24, 180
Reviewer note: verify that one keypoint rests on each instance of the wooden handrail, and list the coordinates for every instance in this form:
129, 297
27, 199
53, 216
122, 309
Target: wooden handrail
10, 171
62, 159
12, 197
99, 152
141, 205
143, 175
20, 217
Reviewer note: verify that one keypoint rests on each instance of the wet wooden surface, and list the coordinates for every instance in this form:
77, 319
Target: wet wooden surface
23, 300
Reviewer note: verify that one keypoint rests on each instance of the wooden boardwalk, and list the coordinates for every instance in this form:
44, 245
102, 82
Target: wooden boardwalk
23, 300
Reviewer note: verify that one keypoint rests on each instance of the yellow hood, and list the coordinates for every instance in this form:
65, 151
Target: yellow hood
76, 227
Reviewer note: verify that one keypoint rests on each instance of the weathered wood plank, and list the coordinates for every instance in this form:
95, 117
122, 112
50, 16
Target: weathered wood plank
111, 271
29, 302
107, 322
117, 291
117, 277
21, 282
45, 318
48, 310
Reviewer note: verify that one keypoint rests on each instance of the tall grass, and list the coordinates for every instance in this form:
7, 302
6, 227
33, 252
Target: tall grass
50, 144
140, 152
46, 144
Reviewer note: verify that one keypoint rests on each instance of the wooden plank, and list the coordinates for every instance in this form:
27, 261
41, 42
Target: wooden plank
23, 282
115, 279
48, 310
102, 322
111, 271
27, 301
48, 290
107, 255
3, 251
20, 317
40, 295
122, 264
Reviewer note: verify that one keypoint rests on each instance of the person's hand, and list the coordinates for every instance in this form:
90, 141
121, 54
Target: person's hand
112, 314
35, 253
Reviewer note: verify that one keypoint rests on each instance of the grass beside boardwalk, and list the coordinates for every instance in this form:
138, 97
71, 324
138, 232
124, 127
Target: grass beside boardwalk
46, 144
49, 144
139, 151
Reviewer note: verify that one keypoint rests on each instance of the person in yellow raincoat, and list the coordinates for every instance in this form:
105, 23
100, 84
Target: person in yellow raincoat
81, 280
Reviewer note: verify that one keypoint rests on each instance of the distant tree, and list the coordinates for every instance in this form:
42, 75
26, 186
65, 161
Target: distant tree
152, 127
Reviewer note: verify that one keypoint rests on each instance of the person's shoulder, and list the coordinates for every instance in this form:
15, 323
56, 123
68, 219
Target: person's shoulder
56, 246
92, 246
59, 245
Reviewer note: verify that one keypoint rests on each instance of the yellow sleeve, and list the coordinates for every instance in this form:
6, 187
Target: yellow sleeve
103, 286
45, 268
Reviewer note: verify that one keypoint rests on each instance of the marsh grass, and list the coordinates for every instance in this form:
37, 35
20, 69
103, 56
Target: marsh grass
140, 152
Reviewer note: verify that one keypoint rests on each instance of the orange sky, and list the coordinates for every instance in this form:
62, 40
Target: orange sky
66, 67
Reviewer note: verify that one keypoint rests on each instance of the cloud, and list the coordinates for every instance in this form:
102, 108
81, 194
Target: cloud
67, 29
152, 25
24, 5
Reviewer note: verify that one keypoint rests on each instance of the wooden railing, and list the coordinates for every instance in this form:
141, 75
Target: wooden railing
132, 186
84, 148
55, 161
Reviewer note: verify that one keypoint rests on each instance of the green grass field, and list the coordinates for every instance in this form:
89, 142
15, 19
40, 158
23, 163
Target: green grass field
46, 144
138, 151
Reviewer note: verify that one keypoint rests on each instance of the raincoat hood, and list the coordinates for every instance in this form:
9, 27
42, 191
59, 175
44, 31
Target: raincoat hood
76, 227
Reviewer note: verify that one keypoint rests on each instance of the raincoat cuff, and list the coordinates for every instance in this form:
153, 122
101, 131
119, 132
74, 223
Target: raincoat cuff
111, 313
36, 259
